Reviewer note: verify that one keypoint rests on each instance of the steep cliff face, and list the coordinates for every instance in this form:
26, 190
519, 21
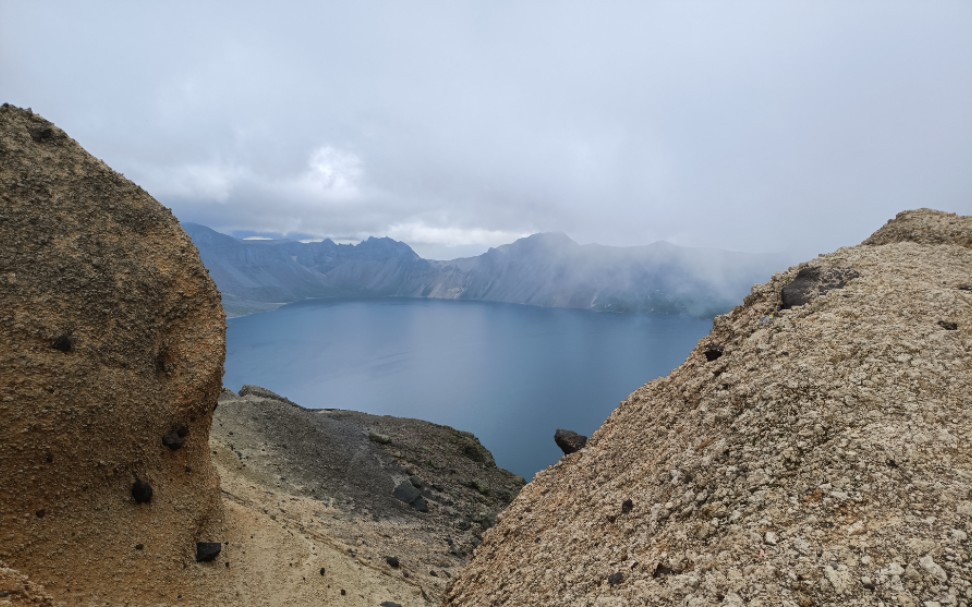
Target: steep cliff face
813, 450
111, 354
551, 270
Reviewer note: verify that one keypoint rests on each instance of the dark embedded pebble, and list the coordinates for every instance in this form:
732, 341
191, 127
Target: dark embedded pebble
390, 604
392, 562
322, 571
41, 513
63, 343
207, 551
627, 506
141, 491
712, 352
615, 578
661, 570
948, 325
176, 438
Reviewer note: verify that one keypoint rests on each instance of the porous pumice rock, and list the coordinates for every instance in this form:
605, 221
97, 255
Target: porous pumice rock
112, 338
821, 459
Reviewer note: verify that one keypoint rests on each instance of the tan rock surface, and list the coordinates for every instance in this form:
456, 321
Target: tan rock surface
816, 455
17, 591
111, 338
925, 227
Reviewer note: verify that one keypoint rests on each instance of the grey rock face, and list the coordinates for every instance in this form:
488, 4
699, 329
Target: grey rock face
811, 281
406, 492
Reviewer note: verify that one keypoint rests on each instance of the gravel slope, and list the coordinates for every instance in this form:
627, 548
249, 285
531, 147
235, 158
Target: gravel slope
312, 489
813, 450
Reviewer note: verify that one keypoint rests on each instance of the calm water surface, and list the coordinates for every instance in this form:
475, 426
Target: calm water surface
510, 374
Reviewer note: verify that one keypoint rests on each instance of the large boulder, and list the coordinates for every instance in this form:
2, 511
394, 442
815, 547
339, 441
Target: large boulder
112, 342
813, 453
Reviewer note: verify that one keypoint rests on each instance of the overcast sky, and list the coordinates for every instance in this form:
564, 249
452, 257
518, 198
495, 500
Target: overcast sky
766, 126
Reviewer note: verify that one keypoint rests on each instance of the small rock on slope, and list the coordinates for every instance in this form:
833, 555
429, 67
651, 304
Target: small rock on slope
569, 441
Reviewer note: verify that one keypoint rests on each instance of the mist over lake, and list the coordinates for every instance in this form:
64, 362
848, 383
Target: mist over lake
510, 374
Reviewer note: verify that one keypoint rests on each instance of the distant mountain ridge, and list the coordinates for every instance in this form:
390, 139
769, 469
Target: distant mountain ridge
261, 274
547, 269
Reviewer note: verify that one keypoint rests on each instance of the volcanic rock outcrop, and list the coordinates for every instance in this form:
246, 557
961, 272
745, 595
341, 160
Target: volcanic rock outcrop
111, 340
326, 483
814, 453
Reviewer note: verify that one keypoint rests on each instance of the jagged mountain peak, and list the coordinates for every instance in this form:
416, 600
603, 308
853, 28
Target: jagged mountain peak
549, 238
541, 242
388, 245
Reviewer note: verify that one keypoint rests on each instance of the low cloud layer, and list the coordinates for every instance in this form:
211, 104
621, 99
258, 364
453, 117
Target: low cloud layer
757, 126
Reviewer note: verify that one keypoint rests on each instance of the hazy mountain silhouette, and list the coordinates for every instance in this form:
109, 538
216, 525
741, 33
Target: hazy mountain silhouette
546, 269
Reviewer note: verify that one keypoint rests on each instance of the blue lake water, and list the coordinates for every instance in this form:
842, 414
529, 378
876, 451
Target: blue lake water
509, 374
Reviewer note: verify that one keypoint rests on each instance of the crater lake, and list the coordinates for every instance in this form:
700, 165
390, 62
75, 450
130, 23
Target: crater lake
509, 374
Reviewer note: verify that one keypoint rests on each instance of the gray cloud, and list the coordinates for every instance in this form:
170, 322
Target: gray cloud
761, 126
